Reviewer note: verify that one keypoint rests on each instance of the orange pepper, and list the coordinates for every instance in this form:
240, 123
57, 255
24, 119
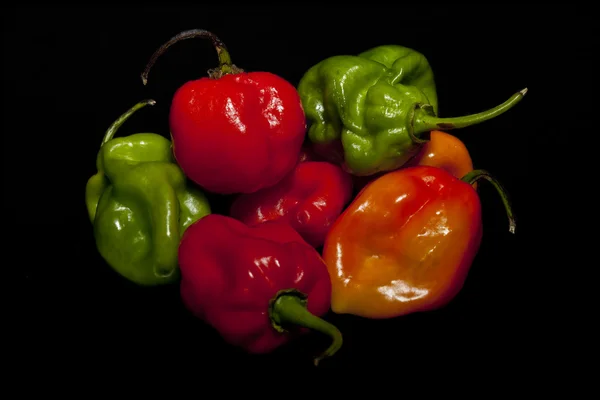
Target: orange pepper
443, 150
406, 242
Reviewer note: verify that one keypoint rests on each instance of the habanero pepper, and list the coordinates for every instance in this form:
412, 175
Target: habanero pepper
140, 203
441, 150
310, 199
374, 109
234, 131
258, 295
407, 242
445, 151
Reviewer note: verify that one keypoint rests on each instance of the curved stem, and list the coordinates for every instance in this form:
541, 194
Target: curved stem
288, 307
477, 174
112, 129
225, 65
424, 121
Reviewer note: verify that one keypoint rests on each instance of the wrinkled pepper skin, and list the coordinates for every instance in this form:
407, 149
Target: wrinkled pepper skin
310, 199
374, 110
442, 150
139, 204
254, 285
234, 131
416, 71
406, 243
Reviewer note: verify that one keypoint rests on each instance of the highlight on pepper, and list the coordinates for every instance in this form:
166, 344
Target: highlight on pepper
347, 195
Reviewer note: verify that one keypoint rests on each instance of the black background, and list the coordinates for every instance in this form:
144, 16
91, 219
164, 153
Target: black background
70, 71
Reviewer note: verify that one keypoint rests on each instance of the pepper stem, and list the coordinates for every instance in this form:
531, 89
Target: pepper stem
288, 307
112, 129
477, 174
225, 65
425, 121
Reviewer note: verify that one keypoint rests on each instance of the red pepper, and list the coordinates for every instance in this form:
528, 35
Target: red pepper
406, 242
234, 131
310, 199
254, 284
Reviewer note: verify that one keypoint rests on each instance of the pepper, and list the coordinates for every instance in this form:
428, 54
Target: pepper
257, 295
445, 151
407, 242
139, 204
234, 131
413, 67
374, 110
442, 150
310, 199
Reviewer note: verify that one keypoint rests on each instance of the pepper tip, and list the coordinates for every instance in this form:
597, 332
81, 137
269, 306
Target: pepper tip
523, 92
316, 361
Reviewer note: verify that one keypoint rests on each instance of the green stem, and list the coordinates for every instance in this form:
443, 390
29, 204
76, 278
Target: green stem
288, 307
112, 129
477, 174
225, 65
424, 121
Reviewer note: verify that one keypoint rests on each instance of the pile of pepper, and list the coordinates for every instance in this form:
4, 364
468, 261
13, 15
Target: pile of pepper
347, 195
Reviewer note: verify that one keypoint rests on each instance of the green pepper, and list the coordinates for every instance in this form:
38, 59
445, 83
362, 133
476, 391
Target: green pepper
140, 203
413, 66
377, 108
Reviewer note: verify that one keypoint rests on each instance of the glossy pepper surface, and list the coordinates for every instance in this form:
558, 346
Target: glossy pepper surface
445, 151
442, 150
234, 131
140, 203
370, 112
406, 242
260, 293
310, 199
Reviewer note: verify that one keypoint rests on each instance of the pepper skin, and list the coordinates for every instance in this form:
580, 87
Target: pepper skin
375, 108
310, 199
254, 285
234, 131
139, 205
413, 66
442, 150
406, 242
